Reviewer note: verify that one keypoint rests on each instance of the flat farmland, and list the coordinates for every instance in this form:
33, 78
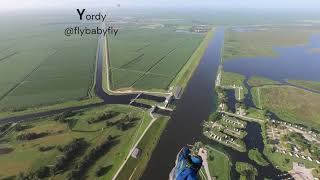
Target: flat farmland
41, 66
142, 58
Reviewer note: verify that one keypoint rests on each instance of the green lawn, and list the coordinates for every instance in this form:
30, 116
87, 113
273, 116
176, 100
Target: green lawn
26, 157
143, 58
219, 164
261, 43
313, 85
290, 104
134, 168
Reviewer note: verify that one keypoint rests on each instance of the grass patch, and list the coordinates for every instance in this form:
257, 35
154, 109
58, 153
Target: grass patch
134, 168
147, 101
219, 164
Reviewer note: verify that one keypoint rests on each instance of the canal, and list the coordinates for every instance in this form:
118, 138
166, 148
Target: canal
195, 106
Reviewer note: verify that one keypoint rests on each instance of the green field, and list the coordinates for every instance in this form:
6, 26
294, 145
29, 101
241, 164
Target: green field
313, 85
61, 130
144, 58
41, 66
262, 42
289, 103
219, 164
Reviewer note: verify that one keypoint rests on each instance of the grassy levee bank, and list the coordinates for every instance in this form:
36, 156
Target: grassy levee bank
219, 164
19, 112
289, 103
187, 70
313, 85
261, 81
134, 168
34, 153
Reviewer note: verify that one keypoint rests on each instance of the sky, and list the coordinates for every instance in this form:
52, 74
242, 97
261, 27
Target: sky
44, 4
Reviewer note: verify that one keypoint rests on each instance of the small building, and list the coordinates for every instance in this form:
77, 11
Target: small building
135, 153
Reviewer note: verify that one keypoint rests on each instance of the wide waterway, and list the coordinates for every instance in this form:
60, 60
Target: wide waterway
195, 106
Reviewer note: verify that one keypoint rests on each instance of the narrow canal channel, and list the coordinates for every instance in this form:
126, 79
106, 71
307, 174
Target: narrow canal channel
195, 106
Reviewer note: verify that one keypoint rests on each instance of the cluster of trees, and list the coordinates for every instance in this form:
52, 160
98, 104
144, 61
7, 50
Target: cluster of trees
63, 116
103, 117
41, 173
103, 170
256, 156
45, 148
247, 170
223, 98
297, 139
124, 123
31, 135
216, 116
70, 151
241, 104
5, 127
90, 158
20, 127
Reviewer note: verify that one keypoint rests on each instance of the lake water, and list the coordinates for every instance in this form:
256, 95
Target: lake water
296, 62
